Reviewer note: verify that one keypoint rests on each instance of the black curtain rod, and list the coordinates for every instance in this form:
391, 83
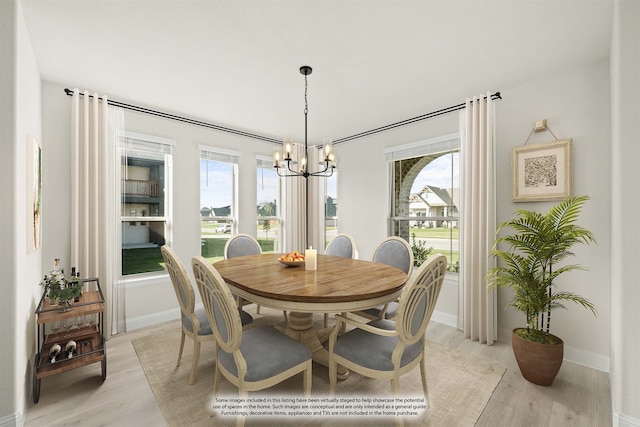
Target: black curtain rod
183, 119
409, 121
276, 141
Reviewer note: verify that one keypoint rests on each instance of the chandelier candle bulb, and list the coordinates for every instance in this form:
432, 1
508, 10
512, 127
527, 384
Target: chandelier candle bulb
287, 149
311, 259
327, 149
276, 159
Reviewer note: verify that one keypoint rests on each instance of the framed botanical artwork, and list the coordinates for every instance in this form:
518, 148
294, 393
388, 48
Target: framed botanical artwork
34, 193
542, 171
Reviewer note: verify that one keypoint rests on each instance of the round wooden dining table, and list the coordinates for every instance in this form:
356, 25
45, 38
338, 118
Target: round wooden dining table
337, 285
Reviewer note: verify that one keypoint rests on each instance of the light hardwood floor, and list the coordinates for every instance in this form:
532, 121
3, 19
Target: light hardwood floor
579, 396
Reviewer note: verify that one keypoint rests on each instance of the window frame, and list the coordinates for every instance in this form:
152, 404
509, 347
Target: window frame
143, 143
264, 162
323, 204
230, 157
444, 144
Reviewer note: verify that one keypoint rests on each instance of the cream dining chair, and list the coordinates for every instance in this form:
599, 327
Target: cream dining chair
388, 349
396, 252
255, 359
343, 246
240, 245
194, 321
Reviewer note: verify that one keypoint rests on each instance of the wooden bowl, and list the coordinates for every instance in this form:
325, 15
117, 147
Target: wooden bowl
291, 263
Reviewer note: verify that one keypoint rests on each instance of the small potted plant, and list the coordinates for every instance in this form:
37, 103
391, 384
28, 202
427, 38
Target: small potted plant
532, 260
59, 289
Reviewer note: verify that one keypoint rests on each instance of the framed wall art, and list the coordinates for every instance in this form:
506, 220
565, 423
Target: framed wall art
541, 172
34, 193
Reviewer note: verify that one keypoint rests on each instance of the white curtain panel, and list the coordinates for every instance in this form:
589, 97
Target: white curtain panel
478, 217
316, 204
294, 206
95, 189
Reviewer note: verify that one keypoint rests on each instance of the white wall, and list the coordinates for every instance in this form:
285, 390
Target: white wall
20, 266
576, 104
8, 215
625, 234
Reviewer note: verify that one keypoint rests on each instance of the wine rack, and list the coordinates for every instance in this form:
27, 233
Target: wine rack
89, 337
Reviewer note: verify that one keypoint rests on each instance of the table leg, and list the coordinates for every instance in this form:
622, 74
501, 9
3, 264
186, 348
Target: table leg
300, 327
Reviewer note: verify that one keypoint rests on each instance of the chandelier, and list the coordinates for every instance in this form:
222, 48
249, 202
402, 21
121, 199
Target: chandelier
283, 160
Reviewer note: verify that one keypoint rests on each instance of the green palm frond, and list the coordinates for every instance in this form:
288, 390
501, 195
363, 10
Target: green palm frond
532, 251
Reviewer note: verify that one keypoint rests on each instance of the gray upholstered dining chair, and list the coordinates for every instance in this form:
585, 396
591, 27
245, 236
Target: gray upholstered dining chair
396, 252
388, 349
254, 359
240, 245
343, 246
195, 324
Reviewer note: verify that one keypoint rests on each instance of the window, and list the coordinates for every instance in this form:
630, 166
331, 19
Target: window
330, 207
426, 197
218, 172
269, 222
145, 199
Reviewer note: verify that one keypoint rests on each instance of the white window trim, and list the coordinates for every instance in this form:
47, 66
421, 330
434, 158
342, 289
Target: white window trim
167, 218
224, 155
266, 162
410, 150
423, 147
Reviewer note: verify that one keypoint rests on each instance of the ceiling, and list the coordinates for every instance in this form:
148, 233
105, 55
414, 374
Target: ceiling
236, 63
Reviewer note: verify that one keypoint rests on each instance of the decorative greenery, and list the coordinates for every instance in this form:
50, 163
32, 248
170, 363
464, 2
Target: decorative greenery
266, 226
454, 268
57, 286
539, 243
420, 251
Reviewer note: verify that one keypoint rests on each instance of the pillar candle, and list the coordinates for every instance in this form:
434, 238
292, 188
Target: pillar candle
310, 259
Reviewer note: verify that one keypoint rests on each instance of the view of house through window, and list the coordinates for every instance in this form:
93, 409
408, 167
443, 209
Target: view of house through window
145, 204
268, 207
426, 193
217, 202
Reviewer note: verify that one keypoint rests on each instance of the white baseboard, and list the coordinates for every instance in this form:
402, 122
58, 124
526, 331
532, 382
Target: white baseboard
155, 318
445, 318
12, 420
152, 319
622, 420
586, 358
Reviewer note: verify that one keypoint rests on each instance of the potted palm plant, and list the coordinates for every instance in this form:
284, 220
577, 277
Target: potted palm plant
530, 263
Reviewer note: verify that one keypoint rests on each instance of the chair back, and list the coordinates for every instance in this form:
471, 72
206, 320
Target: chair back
343, 246
396, 252
180, 280
219, 305
419, 298
241, 245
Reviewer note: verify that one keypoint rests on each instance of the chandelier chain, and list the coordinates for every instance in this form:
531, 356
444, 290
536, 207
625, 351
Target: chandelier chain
306, 103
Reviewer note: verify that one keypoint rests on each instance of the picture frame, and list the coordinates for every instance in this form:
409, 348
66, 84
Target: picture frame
542, 172
34, 193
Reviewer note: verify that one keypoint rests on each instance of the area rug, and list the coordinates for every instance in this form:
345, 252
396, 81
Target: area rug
459, 388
